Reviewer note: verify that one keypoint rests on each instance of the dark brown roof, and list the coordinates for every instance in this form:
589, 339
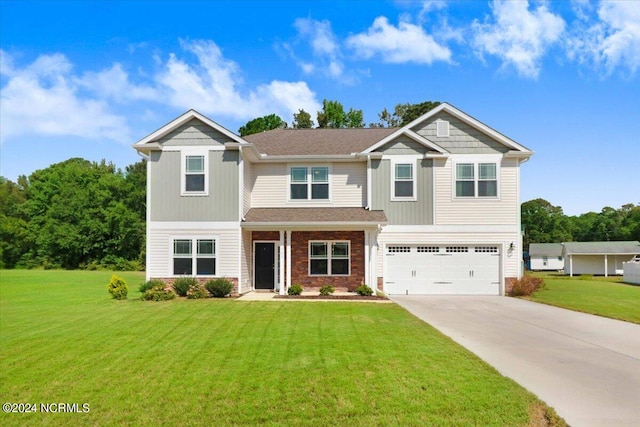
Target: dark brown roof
291, 142
314, 215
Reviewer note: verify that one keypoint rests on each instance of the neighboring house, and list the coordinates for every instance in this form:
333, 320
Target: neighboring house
546, 256
429, 208
601, 258
631, 271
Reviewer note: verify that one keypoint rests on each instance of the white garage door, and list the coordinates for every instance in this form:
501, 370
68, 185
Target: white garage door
442, 270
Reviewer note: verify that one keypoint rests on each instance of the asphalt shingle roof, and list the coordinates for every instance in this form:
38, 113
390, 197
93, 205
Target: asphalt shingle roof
628, 247
303, 142
314, 215
545, 249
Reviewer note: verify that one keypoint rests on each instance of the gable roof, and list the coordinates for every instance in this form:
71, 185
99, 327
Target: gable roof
150, 141
300, 142
518, 149
602, 248
545, 249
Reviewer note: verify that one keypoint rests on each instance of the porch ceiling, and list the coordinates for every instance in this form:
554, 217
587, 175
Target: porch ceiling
315, 217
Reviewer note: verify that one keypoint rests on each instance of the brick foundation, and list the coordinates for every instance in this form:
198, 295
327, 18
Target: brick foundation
265, 235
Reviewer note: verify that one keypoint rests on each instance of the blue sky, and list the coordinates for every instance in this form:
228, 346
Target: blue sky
88, 79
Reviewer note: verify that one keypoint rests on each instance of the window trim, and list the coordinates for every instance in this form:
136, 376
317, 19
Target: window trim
194, 254
329, 257
309, 183
476, 161
403, 160
183, 172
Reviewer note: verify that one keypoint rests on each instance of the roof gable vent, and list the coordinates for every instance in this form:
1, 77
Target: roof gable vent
442, 128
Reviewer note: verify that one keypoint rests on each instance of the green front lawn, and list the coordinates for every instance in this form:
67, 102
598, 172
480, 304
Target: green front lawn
227, 362
604, 296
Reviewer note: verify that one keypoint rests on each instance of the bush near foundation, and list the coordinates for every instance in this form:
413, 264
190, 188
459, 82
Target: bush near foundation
181, 285
526, 286
219, 288
364, 290
327, 290
295, 290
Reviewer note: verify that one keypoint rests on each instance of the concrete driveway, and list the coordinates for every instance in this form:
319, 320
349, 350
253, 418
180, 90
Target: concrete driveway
586, 367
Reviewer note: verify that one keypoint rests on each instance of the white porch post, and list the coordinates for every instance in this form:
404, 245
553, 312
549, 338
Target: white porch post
374, 261
288, 281
281, 262
571, 265
606, 266
367, 249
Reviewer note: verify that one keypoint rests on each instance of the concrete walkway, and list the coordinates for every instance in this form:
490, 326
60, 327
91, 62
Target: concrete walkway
586, 367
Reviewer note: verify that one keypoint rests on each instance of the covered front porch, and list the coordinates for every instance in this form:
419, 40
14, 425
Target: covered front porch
311, 247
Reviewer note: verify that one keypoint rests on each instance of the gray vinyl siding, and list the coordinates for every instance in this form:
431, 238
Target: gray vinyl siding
403, 145
462, 139
419, 212
167, 204
194, 132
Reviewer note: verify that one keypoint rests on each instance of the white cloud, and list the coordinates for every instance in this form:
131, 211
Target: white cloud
43, 99
114, 83
518, 36
325, 48
212, 86
405, 43
611, 40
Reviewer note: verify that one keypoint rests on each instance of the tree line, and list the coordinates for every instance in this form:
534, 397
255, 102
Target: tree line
334, 115
544, 223
74, 214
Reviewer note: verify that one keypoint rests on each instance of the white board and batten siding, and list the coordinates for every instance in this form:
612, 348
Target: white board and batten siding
162, 233
270, 185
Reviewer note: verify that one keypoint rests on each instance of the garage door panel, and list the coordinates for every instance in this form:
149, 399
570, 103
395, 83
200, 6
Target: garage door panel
442, 270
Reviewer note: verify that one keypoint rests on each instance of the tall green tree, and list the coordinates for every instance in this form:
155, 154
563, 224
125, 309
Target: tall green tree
13, 222
405, 113
544, 223
334, 116
262, 124
79, 214
302, 120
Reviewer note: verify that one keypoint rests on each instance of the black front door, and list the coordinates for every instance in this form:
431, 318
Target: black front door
265, 265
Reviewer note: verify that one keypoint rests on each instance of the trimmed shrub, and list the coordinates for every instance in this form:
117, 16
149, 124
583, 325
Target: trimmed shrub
150, 284
295, 289
197, 291
526, 286
160, 292
364, 290
117, 287
327, 290
219, 288
181, 285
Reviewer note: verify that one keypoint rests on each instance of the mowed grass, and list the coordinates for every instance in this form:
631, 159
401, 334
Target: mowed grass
607, 297
227, 362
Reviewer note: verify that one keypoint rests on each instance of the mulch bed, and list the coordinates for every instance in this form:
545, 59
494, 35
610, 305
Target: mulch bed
329, 297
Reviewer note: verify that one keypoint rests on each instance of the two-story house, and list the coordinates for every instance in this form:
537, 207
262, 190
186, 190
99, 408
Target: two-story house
429, 208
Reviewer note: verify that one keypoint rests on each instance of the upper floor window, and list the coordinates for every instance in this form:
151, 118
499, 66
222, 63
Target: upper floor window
194, 174
476, 180
403, 178
309, 183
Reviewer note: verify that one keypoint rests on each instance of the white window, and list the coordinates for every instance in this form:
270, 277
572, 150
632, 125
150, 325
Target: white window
194, 257
476, 180
194, 174
309, 183
403, 178
442, 129
329, 258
